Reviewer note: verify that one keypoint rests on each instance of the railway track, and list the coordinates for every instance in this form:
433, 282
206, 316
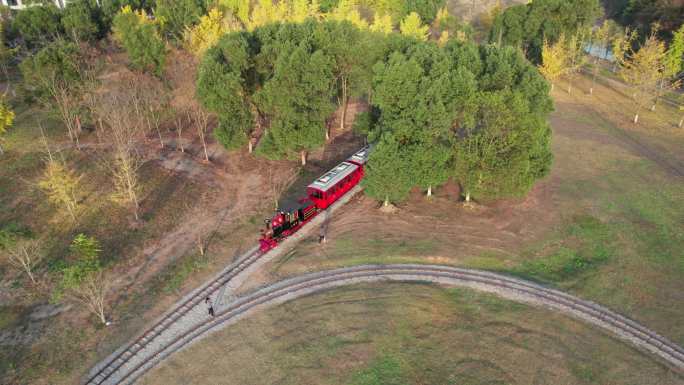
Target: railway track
512, 288
120, 358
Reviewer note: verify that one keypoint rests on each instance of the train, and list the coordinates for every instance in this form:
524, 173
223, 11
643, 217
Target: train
320, 194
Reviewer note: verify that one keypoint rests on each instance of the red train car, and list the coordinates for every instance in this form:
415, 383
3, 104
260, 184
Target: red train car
323, 192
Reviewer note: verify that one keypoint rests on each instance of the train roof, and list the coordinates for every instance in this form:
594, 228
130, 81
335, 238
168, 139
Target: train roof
361, 156
333, 176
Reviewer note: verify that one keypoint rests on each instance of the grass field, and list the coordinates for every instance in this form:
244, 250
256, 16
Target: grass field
400, 333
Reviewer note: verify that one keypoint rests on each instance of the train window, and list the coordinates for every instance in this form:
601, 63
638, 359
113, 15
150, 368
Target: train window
317, 194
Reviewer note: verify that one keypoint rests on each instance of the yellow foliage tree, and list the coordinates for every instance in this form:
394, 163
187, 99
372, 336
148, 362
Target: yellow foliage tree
382, 24
348, 10
61, 186
642, 70
208, 31
443, 38
554, 60
413, 26
6, 119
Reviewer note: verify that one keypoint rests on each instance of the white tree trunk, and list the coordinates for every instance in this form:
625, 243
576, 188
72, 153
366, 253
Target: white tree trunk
467, 196
250, 145
552, 85
681, 122
636, 118
303, 157
591, 90
386, 202
429, 191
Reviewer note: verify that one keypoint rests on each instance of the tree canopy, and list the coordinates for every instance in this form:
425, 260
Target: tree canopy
139, 37
527, 25
474, 113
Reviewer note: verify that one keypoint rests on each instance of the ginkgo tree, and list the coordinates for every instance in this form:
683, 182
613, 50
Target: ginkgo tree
554, 60
642, 70
6, 120
412, 26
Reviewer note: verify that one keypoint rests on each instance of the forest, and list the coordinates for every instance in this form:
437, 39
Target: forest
110, 90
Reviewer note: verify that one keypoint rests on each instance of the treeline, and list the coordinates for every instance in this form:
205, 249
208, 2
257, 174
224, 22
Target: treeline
526, 26
475, 113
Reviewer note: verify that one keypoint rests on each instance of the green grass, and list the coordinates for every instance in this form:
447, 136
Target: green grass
383, 370
592, 246
173, 277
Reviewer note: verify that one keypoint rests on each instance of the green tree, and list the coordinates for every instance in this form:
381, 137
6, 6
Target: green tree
347, 10
82, 20
298, 100
239, 8
412, 26
575, 56
111, 8
388, 172
176, 15
138, 36
507, 153
38, 25
527, 25
222, 89
84, 281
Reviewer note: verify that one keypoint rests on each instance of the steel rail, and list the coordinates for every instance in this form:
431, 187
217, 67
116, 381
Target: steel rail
288, 289
141, 341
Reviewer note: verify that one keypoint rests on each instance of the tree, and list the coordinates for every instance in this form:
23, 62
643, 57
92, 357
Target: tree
204, 35
382, 24
82, 20
222, 88
297, 100
238, 8
575, 56
388, 172
672, 66
265, 12
176, 15
124, 162
61, 186
24, 256
200, 118
138, 36
85, 280
642, 70
602, 36
55, 76
6, 120
527, 25
347, 10
412, 26
507, 154
554, 60
6, 56
38, 25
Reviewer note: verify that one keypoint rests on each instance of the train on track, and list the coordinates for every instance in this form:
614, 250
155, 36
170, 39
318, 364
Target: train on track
320, 194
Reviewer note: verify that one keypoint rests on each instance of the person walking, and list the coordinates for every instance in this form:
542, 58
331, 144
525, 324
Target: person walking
210, 306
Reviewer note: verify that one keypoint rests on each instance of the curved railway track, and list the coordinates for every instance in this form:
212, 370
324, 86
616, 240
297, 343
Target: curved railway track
509, 287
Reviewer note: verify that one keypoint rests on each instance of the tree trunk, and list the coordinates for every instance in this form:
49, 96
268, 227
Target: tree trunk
204, 145
345, 102
681, 122
302, 154
467, 196
386, 202
552, 85
429, 191
180, 139
636, 118
250, 145
1, 150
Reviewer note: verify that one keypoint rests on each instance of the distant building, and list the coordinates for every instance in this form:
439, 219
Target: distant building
21, 4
